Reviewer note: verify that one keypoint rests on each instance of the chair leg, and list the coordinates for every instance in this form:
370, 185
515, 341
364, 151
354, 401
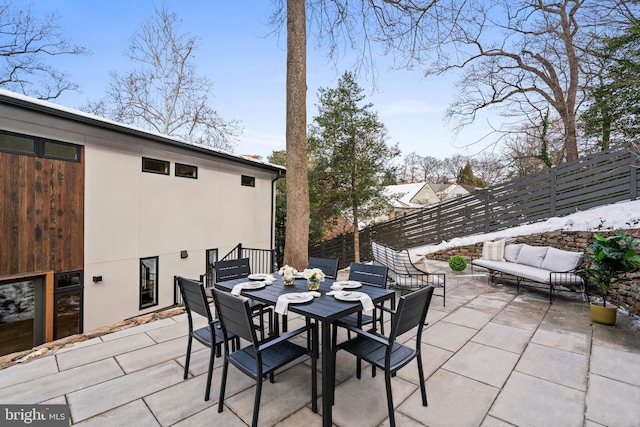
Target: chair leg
186, 363
285, 323
423, 387
256, 403
314, 369
225, 367
209, 375
387, 380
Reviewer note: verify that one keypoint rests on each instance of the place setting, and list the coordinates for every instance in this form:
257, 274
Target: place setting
352, 296
282, 304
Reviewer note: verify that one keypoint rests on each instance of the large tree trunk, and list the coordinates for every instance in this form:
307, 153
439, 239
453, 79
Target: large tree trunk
296, 250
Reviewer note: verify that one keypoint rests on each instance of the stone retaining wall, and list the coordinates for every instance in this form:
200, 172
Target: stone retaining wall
627, 295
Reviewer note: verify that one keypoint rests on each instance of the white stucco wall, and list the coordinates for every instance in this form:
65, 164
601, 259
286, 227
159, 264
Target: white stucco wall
130, 214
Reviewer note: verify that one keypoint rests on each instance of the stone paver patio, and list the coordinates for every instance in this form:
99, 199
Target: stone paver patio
492, 358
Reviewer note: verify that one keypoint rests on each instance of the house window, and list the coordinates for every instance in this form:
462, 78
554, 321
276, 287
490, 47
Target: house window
29, 145
248, 181
155, 166
148, 282
69, 291
186, 171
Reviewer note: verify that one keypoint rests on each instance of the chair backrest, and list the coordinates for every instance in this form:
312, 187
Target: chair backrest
194, 297
328, 266
232, 269
234, 315
369, 274
411, 312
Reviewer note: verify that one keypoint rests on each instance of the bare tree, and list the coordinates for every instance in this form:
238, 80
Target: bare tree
166, 94
26, 43
454, 164
524, 56
431, 169
489, 168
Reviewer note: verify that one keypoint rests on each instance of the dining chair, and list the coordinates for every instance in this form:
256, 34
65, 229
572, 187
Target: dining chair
260, 358
237, 269
387, 353
328, 266
368, 275
195, 300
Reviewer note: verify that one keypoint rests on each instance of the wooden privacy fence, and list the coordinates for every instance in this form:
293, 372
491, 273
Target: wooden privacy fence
595, 180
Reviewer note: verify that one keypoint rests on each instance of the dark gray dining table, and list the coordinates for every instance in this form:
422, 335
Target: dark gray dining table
324, 310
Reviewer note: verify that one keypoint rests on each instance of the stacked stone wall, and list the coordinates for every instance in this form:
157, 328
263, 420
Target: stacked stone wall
626, 295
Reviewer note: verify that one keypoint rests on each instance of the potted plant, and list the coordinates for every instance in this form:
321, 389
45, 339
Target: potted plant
609, 260
457, 263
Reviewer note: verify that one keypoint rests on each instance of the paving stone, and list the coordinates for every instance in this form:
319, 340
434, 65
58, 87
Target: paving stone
432, 359
482, 363
24, 372
107, 395
211, 416
494, 422
530, 401
576, 342
503, 337
50, 386
454, 400
518, 318
616, 364
133, 412
152, 355
156, 324
555, 365
612, 403
84, 355
470, 318
447, 335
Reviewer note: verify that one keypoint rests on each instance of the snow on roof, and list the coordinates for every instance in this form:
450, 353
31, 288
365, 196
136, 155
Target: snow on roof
403, 193
81, 116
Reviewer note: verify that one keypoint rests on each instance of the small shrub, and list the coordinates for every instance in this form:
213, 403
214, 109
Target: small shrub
457, 263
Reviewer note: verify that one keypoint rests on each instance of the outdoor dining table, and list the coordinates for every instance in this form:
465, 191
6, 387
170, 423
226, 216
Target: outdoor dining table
324, 309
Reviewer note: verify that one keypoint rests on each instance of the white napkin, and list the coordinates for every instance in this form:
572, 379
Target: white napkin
240, 286
365, 300
282, 304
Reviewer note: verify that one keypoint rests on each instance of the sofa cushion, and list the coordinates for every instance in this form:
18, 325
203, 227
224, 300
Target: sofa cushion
532, 255
559, 260
493, 251
511, 252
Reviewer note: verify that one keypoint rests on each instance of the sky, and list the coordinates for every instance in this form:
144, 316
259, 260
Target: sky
247, 64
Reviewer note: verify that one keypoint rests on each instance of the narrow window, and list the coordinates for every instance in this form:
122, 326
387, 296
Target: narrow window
17, 144
155, 166
148, 282
62, 151
248, 181
186, 171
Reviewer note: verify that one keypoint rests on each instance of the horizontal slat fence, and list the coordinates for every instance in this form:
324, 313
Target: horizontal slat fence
595, 180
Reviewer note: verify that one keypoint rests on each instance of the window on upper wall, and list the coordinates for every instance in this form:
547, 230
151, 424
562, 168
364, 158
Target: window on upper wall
248, 181
155, 166
148, 282
30, 145
186, 171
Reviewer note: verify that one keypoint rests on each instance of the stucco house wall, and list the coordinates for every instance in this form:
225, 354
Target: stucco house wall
130, 214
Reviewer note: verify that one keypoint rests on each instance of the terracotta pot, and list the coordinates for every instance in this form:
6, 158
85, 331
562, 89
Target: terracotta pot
603, 315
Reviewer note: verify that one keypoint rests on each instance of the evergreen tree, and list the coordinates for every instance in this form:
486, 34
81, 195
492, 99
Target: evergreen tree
350, 159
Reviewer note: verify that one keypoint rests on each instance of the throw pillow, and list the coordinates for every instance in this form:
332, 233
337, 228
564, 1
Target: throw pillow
511, 252
559, 260
532, 255
493, 251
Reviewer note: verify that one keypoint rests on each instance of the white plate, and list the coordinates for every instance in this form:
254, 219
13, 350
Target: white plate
296, 297
259, 276
253, 285
347, 284
348, 295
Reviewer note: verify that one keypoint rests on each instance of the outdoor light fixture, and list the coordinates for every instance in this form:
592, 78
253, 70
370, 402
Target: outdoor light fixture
184, 254
97, 279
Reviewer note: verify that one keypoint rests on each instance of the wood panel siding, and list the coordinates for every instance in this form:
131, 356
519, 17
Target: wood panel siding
41, 214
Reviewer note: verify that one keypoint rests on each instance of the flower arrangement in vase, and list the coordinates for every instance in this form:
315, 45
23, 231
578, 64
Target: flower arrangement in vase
314, 276
288, 274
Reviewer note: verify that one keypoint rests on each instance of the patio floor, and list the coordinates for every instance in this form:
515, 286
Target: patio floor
492, 358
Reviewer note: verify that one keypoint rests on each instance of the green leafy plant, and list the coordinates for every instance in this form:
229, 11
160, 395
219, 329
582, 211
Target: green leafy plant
457, 263
609, 259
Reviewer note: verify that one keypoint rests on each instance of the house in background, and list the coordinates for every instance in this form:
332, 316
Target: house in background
405, 198
97, 217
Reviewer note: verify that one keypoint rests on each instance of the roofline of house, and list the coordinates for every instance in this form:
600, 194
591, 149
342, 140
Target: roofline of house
28, 103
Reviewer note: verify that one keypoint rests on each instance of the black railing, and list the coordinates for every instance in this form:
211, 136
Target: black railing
260, 261
595, 180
